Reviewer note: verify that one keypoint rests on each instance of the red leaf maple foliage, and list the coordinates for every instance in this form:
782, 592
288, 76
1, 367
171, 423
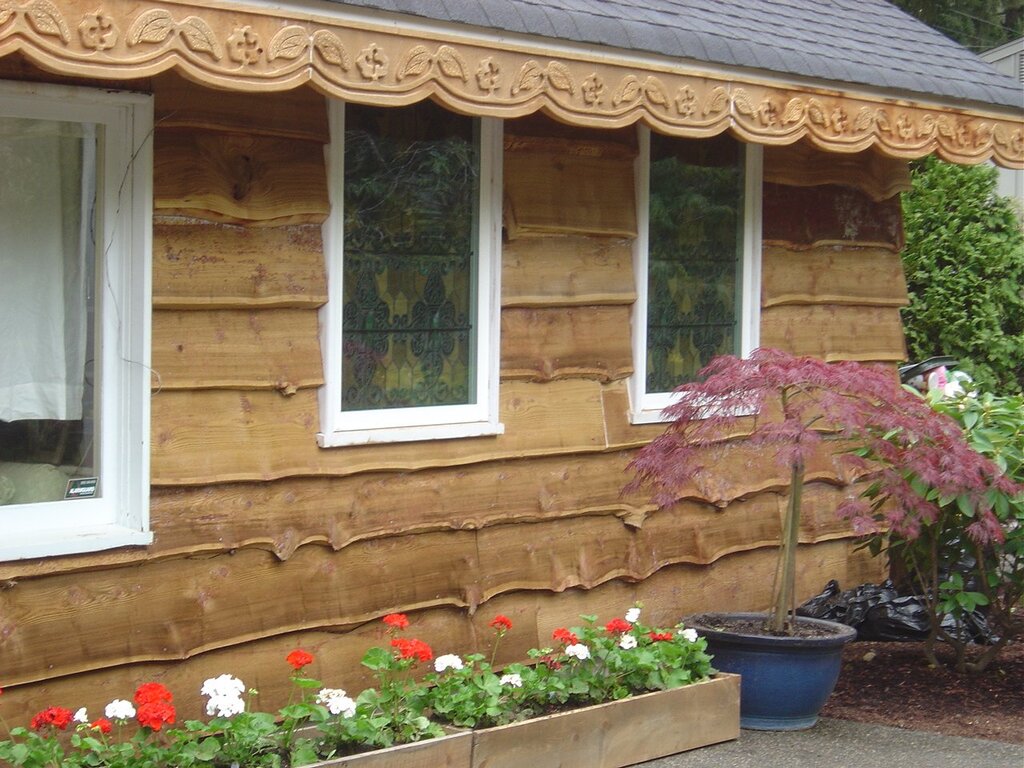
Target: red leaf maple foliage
790, 407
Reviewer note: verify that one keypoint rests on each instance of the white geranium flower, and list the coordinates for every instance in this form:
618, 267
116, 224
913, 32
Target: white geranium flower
227, 705
223, 686
514, 680
689, 635
448, 661
578, 651
633, 615
81, 716
119, 709
627, 642
337, 702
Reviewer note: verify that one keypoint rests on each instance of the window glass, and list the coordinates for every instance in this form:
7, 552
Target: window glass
695, 256
48, 398
411, 193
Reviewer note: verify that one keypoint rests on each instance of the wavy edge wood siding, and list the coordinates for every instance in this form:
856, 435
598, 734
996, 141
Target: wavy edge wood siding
743, 578
259, 532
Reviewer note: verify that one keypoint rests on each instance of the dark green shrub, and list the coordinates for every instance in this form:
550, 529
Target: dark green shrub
964, 262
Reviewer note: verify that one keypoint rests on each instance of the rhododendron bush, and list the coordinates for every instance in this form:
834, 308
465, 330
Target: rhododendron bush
409, 702
787, 409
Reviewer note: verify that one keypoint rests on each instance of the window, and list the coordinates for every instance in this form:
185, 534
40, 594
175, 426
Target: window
697, 262
411, 324
75, 220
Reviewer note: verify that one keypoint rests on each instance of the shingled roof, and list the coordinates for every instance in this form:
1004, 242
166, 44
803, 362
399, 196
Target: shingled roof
867, 43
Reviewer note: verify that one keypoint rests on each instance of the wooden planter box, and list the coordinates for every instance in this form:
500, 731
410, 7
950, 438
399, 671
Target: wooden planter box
610, 735
618, 733
452, 751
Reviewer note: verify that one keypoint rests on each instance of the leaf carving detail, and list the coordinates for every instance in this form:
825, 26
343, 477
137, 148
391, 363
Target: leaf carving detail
6, 11
560, 77
151, 27
415, 63
656, 92
628, 90
817, 113
743, 103
289, 43
529, 78
451, 63
864, 119
794, 111
716, 101
329, 46
47, 20
200, 38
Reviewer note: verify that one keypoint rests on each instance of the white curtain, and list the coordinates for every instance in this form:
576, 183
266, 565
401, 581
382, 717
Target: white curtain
47, 196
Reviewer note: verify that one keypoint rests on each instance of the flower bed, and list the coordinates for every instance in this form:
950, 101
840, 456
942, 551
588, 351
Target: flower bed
406, 713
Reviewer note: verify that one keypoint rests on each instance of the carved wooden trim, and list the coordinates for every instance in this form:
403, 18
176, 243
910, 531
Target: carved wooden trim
251, 49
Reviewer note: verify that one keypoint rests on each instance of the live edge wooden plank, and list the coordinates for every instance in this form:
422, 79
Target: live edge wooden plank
541, 344
298, 113
124, 615
239, 178
92, 674
561, 270
220, 436
832, 275
220, 266
552, 191
835, 332
241, 349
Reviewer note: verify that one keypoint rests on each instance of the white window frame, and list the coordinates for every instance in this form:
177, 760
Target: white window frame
646, 407
119, 515
390, 425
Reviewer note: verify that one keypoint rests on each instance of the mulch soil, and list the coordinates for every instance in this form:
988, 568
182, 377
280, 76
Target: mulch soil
892, 684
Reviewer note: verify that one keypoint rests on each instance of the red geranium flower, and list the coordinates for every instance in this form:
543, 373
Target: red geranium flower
155, 713
661, 637
617, 626
102, 725
299, 658
551, 662
150, 693
58, 717
396, 620
565, 636
411, 648
501, 622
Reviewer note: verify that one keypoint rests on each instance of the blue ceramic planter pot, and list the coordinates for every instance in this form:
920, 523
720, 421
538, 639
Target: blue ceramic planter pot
785, 681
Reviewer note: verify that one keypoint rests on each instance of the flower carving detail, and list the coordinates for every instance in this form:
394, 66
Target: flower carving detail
488, 75
593, 88
686, 101
372, 62
244, 46
98, 31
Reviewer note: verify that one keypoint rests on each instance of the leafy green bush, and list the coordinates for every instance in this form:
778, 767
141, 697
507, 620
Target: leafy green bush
964, 262
955, 571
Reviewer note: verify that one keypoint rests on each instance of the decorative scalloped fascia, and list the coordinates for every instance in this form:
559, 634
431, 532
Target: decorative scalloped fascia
248, 49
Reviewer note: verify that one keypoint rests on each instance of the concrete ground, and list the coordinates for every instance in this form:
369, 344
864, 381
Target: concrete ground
845, 744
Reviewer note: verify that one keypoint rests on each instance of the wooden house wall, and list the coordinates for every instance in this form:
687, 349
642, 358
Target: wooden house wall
265, 542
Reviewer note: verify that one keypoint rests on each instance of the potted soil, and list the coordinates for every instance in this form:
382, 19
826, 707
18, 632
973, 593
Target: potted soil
789, 409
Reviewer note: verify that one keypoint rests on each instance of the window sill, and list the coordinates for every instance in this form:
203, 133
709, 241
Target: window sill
71, 541
409, 434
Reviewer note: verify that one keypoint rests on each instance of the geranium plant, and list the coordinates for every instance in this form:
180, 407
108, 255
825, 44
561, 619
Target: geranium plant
789, 409
588, 664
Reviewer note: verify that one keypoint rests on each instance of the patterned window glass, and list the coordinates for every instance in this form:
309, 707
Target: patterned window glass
410, 205
695, 256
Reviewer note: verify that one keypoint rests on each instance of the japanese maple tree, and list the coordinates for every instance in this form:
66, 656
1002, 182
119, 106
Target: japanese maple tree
790, 408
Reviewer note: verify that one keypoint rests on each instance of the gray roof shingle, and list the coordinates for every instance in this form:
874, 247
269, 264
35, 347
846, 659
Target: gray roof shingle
862, 42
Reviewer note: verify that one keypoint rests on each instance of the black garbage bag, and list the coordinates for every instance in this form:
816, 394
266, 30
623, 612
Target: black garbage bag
879, 612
